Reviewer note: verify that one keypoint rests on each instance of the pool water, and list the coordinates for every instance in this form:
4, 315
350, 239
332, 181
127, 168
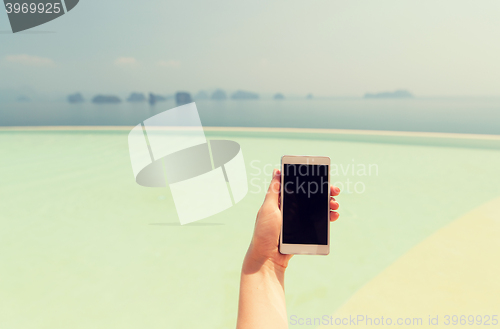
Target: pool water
83, 246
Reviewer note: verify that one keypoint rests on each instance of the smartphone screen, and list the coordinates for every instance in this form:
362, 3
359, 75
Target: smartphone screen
305, 204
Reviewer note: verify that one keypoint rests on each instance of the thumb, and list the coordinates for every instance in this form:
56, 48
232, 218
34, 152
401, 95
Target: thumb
272, 195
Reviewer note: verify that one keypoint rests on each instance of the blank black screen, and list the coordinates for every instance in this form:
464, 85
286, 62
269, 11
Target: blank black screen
305, 204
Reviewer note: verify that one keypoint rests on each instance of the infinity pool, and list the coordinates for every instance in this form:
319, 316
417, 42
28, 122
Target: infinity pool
83, 246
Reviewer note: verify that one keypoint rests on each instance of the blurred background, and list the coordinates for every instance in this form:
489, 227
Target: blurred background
404, 96
384, 65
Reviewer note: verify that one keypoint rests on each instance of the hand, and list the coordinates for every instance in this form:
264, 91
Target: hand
265, 241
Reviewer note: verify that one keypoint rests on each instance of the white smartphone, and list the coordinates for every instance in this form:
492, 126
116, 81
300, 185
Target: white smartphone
305, 205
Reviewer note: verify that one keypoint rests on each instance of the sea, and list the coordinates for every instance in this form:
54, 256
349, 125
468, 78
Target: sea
473, 115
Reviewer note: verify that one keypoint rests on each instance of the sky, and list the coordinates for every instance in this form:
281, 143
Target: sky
328, 48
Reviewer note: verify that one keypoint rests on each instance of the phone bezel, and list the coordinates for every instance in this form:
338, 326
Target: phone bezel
304, 249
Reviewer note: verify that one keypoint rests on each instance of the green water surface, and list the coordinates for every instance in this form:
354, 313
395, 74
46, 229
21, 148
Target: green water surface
83, 246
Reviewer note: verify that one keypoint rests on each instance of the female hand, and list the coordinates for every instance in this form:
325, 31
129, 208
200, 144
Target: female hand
265, 241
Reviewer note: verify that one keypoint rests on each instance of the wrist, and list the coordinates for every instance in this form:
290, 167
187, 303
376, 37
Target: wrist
255, 262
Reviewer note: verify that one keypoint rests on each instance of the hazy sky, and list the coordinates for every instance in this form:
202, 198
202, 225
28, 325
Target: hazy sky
330, 48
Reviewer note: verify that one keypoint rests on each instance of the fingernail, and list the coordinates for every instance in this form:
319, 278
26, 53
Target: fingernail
337, 190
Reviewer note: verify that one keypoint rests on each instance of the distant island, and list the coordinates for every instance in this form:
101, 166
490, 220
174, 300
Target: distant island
153, 98
309, 96
240, 94
136, 97
75, 98
279, 96
201, 95
106, 99
388, 94
183, 97
219, 95
23, 98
